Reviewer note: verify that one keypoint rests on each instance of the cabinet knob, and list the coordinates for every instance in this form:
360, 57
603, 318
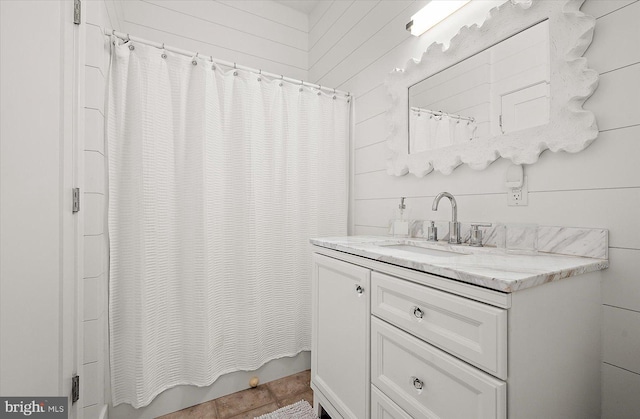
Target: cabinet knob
417, 311
418, 384
359, 289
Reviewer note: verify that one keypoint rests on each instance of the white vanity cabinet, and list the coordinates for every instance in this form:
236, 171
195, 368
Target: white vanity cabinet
416, 345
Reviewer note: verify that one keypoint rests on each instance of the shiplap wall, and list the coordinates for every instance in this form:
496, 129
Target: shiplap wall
353, 45
95, 375
259, 34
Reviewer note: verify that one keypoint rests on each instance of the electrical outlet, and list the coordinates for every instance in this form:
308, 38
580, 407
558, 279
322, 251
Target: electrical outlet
518, 197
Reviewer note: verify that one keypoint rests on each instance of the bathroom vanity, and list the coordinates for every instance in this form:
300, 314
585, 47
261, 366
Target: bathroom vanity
411, 329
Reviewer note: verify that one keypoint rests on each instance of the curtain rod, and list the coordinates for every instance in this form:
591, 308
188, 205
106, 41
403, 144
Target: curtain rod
440, 113
126, 37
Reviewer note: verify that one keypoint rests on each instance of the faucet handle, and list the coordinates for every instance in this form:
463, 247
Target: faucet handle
476, 234
475, 226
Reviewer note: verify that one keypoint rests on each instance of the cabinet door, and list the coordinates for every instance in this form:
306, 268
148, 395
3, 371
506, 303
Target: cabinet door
340, 346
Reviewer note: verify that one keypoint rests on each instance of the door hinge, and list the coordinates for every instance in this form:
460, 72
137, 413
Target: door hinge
75, 388
500, 122
75, 207
77, 8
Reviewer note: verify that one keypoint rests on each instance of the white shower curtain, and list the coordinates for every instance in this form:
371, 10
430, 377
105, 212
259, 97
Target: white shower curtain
217, 180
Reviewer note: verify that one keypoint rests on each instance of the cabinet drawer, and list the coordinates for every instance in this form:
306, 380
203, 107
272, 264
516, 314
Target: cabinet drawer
383, 407
429, 383
472, 331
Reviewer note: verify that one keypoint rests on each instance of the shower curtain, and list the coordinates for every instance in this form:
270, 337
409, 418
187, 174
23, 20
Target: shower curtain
217, 180
431, 132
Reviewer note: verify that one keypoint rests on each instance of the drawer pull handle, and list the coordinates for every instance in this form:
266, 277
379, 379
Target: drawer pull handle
417, 311
418, 384
359, 289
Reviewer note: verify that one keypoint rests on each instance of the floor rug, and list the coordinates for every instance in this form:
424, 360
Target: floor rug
299, 410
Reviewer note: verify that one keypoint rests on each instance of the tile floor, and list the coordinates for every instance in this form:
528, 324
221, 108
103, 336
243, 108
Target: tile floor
247, 404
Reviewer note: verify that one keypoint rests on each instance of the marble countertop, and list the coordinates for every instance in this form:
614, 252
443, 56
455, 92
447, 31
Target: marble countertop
487, 267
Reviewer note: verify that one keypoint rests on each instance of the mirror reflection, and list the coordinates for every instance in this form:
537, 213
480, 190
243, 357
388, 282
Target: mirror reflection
500, 90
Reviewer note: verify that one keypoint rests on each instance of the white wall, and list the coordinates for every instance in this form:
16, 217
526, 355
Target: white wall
353, 45
38, 230
259, 34
95, 374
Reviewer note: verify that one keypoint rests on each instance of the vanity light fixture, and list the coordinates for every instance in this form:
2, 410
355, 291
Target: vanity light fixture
432, 14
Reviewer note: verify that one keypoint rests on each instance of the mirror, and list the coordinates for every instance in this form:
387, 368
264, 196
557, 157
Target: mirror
502, 89
511, 88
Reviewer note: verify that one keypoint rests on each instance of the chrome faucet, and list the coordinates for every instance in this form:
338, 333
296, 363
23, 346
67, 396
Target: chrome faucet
454, 225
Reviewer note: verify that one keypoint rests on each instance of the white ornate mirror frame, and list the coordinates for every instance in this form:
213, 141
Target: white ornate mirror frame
571, 128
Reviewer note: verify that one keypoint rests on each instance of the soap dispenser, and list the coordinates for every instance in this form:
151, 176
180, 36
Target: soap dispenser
400, 224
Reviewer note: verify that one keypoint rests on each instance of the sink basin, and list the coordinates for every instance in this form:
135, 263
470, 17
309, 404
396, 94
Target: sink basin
421, 250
